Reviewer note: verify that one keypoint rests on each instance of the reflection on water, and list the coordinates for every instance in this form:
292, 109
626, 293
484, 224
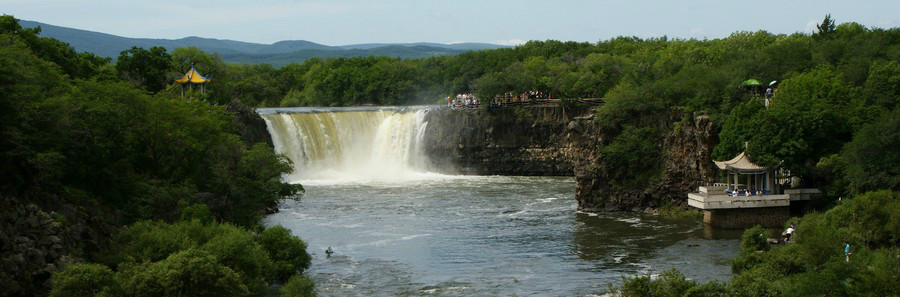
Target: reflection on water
486, 236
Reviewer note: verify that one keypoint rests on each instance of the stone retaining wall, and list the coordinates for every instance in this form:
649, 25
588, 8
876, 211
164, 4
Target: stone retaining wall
740, 218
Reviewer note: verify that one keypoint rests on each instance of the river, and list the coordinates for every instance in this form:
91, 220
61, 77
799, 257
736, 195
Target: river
487, 236
398, 230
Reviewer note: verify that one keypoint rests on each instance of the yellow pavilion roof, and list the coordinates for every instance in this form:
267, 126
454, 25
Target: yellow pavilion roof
192, 76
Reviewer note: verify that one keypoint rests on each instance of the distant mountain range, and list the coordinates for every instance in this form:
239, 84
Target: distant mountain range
279, 53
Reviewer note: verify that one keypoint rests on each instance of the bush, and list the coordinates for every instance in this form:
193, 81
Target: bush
757, 282
754, 240
288, 252
81, 280
634, 155
236, 249
298, 286
197, 212
193, 272
670, 283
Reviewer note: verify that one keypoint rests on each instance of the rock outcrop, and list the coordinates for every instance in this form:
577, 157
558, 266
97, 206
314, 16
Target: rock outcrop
685, 147
508, 141
552, 141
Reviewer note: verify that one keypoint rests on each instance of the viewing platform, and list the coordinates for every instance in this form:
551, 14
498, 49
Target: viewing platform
759, 200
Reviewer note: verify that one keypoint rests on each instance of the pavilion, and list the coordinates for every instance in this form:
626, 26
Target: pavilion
750, 196
191, 78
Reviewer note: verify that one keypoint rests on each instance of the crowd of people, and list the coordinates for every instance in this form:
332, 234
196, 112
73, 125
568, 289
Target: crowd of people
522, 97
462, 100
468, 100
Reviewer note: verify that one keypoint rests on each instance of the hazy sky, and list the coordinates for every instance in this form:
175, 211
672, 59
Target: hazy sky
340, 22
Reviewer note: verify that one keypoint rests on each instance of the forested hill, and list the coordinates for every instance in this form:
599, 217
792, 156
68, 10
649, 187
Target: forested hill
278, 54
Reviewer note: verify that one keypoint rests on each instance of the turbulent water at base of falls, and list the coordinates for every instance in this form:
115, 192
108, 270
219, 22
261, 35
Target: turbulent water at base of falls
349, 144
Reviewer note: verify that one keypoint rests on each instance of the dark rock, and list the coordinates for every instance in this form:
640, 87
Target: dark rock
553, 142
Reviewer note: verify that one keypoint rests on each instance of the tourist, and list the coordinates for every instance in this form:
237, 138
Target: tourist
789, 233
847, 252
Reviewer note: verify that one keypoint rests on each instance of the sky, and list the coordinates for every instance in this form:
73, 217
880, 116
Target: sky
342, 22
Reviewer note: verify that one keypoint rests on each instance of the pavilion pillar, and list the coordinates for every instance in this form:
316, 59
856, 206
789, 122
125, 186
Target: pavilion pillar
736, 181
750, 182
728, 180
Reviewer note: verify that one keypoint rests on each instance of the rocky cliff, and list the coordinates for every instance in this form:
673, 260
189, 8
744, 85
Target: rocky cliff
685, 163
507, 141
553, 141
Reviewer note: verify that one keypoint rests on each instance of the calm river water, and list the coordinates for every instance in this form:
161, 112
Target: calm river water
439, 235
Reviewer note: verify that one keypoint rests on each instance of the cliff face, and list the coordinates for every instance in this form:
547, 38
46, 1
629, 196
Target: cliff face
551, 141
523, 141
250, 125
686, 163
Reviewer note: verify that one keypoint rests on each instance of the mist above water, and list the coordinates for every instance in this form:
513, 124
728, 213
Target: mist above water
349, 145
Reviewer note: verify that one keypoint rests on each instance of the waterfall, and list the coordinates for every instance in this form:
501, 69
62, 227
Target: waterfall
349, 143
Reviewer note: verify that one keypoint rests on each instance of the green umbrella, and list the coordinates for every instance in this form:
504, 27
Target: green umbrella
751, 83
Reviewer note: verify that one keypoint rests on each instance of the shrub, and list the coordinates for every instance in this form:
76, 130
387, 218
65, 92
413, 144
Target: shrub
193, 272
754, 239
197, 212
236, 248
288, 252
81, 280
298, 286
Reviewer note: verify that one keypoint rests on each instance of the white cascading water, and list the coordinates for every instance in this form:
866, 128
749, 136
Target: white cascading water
352, 144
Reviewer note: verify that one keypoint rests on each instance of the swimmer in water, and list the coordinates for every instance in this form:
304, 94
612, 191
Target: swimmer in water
328, 252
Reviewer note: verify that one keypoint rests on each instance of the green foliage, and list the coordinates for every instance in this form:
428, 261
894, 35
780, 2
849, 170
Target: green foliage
634, 155
814, 264
288, 252
827, 27
76, 140
882, 87
298, 286
881, 277
870, 158
148, 155
148, 69
70, 62
197, 212
256, 260
237, 249
670, 283
192, 272
741, 125
672, 212
874, 218
523, 116
81, 280
754, 240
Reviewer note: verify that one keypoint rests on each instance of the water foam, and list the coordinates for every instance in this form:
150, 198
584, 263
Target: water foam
352, 145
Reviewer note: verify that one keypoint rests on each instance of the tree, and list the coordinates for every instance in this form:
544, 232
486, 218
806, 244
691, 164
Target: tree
81, 280
827, 27
872, 156
298, 286
147, 69
193, 272
288, 252
72, 63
